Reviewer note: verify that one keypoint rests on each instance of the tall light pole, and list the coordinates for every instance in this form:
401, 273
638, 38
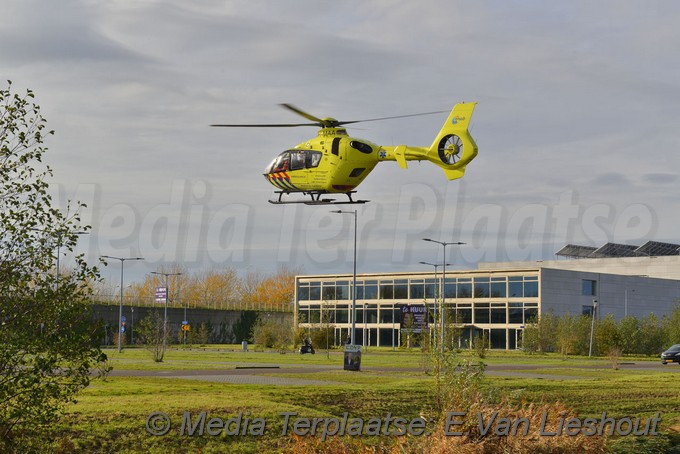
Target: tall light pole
592, 329
120, 307
625, 302
354, 277
441, 283
60, 234
165, 313
442, 316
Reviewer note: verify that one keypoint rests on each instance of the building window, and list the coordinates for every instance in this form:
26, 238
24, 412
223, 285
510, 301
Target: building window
314, 313
431, 290
401, 289
482, 313
328, 292
303, 293
498, 315
498, 287
342, 290
372, 313
463, 316
515, 287
464, 288
516, 313
386, 290
588, 287
342, 314
367, 290
531, 289
530, 314
481, 287
417, 290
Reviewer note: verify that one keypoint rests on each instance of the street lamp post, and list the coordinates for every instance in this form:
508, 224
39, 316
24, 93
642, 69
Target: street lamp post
74, 232
132, 326
354, 276
120, 307
625, 302
441, 282
165, 312
592, 328
442, 316
60, 235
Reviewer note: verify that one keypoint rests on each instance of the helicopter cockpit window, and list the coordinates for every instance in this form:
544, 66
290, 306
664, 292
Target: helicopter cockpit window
294, 160
297, 160
280, 164
313, 159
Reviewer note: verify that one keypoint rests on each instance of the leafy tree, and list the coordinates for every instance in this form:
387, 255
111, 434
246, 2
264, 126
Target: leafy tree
530, 337
539, 335
152, 334
407, 330
651, 335
671, 327
606, 335
269, 332
48, 348
630, 334
201, 335
272, 292
243, 328
567, 335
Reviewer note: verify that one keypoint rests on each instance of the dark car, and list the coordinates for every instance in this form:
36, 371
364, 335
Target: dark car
672, 355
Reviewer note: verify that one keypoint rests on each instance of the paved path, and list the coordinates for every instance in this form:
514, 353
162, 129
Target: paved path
266, 374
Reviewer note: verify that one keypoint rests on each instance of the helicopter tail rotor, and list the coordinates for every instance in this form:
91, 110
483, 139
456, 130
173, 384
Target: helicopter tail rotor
454, 147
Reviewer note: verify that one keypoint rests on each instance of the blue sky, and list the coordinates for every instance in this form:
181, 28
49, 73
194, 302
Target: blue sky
577, 124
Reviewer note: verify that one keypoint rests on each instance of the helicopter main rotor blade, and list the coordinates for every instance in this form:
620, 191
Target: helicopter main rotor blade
392, 118
275, 125
318, 122
302, 113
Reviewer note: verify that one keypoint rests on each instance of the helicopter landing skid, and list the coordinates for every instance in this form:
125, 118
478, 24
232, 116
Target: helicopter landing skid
316, 199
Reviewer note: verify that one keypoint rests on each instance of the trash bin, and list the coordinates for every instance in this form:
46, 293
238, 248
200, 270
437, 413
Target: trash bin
244, 346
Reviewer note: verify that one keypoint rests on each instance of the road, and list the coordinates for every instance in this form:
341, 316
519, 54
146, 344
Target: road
260, 374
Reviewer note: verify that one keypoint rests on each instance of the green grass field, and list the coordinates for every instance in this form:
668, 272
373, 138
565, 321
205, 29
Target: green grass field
111, 414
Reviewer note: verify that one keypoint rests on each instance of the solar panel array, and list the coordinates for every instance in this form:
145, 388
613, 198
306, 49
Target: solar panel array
576, 251
658, 248
615, 250
649, 249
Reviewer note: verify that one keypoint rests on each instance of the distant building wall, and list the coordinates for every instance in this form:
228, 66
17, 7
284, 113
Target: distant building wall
664, 267
221, 321
563, 292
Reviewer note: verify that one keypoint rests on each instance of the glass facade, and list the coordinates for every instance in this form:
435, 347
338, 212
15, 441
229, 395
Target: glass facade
494, 305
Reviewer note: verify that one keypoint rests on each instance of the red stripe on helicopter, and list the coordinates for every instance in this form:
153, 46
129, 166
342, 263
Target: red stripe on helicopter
281, 180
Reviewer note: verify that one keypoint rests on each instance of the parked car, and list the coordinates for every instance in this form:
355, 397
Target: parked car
672, 355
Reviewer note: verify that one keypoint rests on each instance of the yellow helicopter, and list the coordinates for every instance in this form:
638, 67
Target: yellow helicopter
335, 163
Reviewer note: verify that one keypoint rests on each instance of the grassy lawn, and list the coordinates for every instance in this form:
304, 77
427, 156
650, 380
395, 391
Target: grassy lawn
111, 414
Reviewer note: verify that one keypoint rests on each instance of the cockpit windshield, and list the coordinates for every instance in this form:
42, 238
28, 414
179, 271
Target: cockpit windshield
294, 160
